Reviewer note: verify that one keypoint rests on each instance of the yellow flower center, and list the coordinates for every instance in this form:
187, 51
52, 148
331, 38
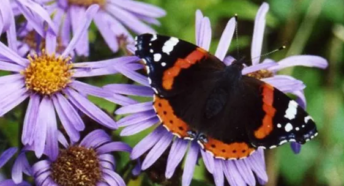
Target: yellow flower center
260, 74
87, 3
47, 74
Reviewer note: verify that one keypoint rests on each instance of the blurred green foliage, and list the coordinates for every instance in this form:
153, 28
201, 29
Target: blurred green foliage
306, 27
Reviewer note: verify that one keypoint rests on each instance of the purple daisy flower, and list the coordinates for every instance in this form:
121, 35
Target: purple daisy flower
113, 20
49, 80
89, 162
237, 172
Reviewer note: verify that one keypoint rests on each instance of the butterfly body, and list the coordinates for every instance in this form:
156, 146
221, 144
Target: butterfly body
230, 115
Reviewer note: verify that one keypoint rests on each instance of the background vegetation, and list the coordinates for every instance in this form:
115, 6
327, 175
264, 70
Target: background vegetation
305, 27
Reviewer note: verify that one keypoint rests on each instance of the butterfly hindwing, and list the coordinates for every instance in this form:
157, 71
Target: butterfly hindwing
284, 121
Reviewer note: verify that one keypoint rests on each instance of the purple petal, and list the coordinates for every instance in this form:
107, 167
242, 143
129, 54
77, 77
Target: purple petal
41, 127
133, 75
11, 78
232, 174
245, 171
41, 167
218, 173
77, 14
6, 15
62, 139
90, 12
140, 8
117, 179
175, 156
89, 89
285, 83
121, 100
95, 139
226, 39
205, 34
208, 161
20, 165
301, 99
30, 120
51, 42
91, 110
10, 67
66, 120
301, 60
129, 89
71, 114
147, 142
139, 107
134, 129
7, 155
121, 61
107, 161
52, 148
136, 118
257, 67
258, 33
190, 163
41, 178
199, 17
257, 164
157, 150
113, 146
228, 60
14, 100
9, 25
105, 31
128, 20
7, 53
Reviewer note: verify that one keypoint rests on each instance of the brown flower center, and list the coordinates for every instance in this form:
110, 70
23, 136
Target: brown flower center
31, 40
260, 74
47, 74
87, 3
76, 166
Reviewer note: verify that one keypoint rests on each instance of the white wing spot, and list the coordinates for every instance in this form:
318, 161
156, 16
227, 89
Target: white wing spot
151, 50
157, 57
307, 118
290, 113
169, 44
155, 90
297, 128
288, 127
279, 125
272, 147
163, 64
282, 142
148, 70
154, 37
303, 126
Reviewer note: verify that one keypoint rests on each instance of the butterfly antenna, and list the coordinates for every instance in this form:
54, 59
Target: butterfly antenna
276, 50
236, 34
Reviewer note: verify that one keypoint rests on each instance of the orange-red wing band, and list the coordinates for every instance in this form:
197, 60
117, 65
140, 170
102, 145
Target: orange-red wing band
169, 120
221, 150
172, 72
267, 123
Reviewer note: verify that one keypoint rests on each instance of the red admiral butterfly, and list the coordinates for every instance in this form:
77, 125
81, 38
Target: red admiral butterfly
230, 115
